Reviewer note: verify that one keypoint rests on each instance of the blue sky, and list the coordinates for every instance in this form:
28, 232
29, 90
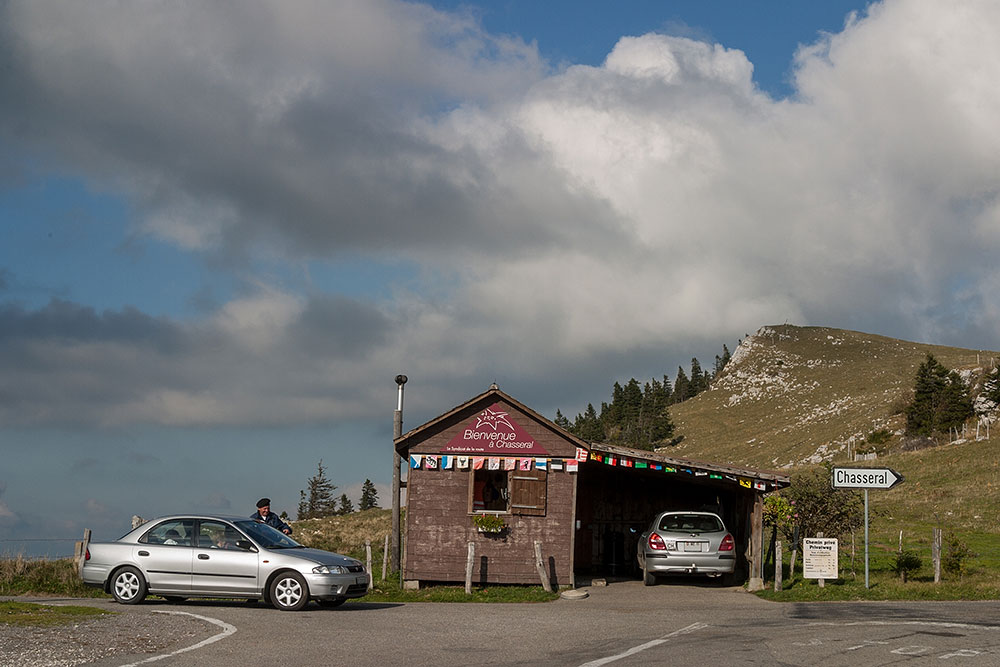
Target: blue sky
215, 259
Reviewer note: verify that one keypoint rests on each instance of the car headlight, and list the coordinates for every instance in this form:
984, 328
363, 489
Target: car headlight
329, 569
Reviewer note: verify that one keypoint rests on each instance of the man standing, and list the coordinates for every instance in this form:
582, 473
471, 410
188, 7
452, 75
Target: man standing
264, 514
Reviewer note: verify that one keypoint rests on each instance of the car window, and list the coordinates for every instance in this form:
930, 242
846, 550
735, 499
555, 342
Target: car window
266, 536
220, 535
176, 532
691, 523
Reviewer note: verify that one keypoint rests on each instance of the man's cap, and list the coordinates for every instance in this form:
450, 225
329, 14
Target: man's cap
263, 502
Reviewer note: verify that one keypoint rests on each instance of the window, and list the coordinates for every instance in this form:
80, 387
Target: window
514, 491
217, 535
170, 532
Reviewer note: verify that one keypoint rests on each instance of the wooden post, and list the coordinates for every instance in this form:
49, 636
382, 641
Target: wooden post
821, 582
468, 568
385, 556
756, 544
540, 566
777, 565
81, 554
368, 560
795, 552
936, 554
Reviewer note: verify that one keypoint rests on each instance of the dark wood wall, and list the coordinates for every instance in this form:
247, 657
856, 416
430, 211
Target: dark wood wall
439, 524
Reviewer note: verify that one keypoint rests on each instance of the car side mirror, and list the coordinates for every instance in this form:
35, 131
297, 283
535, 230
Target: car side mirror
246, 545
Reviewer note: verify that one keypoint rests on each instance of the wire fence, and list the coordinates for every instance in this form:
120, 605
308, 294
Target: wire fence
52, 548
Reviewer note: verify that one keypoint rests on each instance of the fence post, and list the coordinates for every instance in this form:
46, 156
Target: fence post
368, 561
385, 556
468, 568
540, 566
81, 551
777, 565
936, 554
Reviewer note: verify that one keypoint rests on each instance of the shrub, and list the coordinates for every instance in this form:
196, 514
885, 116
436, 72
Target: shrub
907, 562
956, 556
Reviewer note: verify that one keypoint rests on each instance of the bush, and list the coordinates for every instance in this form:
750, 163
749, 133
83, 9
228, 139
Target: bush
956, 556
907, 562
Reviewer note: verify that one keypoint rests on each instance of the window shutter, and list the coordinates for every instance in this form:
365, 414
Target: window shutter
527, 492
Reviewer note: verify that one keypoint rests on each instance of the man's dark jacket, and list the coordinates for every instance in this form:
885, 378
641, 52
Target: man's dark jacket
273, 521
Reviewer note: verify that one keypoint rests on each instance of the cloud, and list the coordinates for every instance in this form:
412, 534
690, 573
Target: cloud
568, 227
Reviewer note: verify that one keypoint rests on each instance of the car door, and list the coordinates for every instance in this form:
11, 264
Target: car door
221, 566
164, 555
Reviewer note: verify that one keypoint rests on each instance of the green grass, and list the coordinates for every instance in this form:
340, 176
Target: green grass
22, 576
41, 615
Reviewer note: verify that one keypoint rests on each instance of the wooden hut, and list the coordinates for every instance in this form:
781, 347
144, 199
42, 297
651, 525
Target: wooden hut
494, 473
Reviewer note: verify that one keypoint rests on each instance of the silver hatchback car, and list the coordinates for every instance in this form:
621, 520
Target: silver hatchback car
686, 543
214, 556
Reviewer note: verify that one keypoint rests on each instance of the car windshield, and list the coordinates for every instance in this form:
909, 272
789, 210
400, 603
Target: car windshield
690, 523
267, 537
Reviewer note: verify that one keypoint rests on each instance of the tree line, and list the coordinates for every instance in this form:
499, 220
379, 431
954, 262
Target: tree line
638, 415
942, 400
317, 499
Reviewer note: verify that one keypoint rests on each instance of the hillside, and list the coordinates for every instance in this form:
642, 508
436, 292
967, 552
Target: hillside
798, 395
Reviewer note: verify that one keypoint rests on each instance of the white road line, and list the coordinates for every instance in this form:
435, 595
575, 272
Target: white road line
642, 647
226, 631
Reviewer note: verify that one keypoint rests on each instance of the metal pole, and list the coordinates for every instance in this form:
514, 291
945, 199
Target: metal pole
866, 538
397, 431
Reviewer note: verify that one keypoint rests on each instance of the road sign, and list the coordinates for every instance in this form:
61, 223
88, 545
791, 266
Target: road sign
865, 478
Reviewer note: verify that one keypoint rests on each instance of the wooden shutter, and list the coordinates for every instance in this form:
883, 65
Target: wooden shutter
527, 492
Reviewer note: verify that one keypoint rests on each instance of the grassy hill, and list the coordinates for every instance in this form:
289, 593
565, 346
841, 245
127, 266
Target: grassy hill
795, 396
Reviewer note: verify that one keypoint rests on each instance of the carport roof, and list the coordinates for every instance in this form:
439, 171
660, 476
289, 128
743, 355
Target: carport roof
773, 479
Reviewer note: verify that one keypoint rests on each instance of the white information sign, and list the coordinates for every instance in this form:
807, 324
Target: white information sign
819, 558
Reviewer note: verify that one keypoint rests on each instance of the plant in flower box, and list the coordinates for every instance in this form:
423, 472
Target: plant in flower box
488, 523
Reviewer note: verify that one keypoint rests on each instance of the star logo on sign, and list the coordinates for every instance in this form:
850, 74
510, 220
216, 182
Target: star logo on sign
493, 419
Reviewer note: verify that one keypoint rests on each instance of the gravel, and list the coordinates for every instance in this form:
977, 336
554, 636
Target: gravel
125, 633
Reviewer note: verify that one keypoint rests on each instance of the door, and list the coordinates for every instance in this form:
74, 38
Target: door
219, 565
164, 554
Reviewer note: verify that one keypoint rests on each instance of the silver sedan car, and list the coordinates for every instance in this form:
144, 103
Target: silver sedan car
212, 556
686, 543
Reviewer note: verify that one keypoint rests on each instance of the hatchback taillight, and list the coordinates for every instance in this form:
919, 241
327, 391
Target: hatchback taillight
87, 556
656, 542
727, 543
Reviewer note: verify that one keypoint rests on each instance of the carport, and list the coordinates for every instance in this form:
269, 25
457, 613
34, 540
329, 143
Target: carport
567, 506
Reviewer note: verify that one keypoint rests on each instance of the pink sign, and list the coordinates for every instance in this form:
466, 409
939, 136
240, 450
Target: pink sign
494, 432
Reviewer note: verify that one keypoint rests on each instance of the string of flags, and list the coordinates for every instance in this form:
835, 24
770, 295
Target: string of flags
467, 462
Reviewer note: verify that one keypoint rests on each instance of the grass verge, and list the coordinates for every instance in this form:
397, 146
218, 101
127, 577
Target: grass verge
44, 615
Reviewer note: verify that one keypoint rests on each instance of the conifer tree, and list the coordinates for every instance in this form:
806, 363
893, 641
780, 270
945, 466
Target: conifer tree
681, 386
346, 506
562, 422
319, 502
369, 496
941, 400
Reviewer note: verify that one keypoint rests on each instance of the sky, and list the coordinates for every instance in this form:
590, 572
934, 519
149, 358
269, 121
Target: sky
226, 227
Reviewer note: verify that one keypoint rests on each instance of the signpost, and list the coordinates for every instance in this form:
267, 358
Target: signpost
865, 478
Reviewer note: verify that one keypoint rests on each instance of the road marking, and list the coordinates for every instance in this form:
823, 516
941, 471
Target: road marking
226, 631
913, 650
642, 647
961, 653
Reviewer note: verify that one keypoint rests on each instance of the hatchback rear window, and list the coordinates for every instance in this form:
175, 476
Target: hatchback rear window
690, 523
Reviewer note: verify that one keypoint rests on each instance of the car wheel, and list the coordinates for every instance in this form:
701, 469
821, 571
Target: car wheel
128, 586
289, 592
173, 598
336, 602
648, 578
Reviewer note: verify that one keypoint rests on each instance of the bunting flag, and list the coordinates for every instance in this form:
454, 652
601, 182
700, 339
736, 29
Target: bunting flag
760, 486
432, 462
745, 482
463, 462
525, 464
556, 464
641, 464
669, 469
541, 464
730, 478
477, 462
610, 460
572, 465
626, 463
657, 466
415, 460
509, 464
714, 476
447, 462
700, 473
581, 454
594, 456
494, 463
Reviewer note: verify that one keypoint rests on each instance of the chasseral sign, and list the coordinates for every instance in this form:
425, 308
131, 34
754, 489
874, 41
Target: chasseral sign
865, 478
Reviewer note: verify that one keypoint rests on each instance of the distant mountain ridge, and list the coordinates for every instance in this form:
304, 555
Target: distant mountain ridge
795, 395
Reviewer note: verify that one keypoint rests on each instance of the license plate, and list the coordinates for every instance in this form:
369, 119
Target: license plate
362, 580
692, 546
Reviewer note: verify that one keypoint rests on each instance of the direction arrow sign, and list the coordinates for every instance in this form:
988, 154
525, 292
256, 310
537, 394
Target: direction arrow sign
865, 478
